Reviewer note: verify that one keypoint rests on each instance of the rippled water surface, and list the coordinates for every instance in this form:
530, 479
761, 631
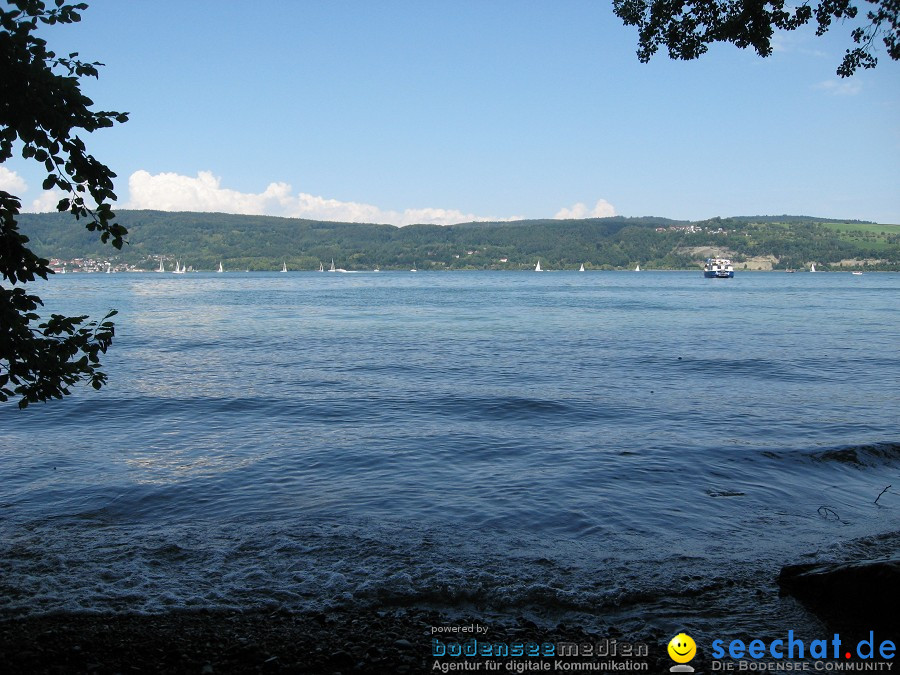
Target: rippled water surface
555, 443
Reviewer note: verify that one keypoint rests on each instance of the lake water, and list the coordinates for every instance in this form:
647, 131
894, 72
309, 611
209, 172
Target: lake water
639, 450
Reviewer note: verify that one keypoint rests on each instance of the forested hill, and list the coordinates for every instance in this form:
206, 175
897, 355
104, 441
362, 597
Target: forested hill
201, 240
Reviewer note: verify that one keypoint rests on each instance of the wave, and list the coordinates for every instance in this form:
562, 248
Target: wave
878, 454
760, 369
313, 406
869, 455
64, 565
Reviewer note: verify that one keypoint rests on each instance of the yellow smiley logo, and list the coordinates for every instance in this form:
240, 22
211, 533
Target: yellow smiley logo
682, 648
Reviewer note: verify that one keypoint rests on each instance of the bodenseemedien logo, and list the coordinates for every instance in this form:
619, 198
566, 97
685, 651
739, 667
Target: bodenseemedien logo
682, 649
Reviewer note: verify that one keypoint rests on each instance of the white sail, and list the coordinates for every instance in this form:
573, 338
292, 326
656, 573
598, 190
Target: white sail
221, 269
812, 267
537, 268
178, 268
581, 269
284, 267
637, 268
332, 269
321, 267
161, 268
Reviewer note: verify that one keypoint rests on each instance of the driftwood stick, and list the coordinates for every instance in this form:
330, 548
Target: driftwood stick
827, 511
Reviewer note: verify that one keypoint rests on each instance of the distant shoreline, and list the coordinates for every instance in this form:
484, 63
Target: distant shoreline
845, 270
204, 240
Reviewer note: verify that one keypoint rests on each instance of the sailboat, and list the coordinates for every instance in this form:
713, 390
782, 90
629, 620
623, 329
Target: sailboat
161, 268
537, 268
637, 268
414, 268
321, 267
336, 269
221, 269
284, 267
178, 269
812, 267
581, 269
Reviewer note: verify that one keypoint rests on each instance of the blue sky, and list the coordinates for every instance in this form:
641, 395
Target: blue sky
427, 111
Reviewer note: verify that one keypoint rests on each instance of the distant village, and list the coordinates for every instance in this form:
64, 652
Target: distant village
95, 266
691, 229
89, 265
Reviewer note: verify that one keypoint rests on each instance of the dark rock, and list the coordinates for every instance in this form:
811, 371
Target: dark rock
858, 594
341, 659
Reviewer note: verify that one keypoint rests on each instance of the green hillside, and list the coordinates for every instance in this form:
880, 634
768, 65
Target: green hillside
201, 240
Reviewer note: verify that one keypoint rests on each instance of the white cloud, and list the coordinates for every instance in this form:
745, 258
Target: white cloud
204, 192
845, 87
12, 182
783, 41
47, 201
780, 43
602, 209
174, 192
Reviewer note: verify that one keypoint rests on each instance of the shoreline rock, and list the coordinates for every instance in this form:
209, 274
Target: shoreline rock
853, 595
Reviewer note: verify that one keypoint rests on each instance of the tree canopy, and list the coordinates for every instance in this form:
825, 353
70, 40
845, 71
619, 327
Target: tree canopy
687, 27
42, 108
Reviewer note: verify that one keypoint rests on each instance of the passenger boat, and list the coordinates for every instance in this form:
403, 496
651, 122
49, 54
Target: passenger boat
718, 268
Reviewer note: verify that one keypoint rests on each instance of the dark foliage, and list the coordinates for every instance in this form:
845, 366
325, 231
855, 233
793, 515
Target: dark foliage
42, 109
687, 27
